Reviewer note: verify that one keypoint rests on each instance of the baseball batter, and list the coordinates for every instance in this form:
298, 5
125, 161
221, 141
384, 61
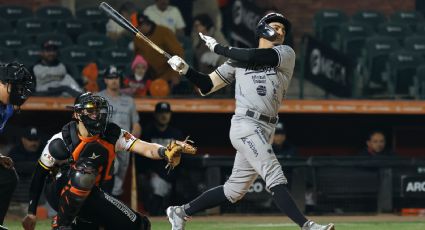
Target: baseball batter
262, 76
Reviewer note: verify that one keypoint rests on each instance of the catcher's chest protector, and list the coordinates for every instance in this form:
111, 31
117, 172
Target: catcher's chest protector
103, 159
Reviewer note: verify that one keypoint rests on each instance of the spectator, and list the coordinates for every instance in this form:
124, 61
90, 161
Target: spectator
29, 146
165, 39
138, 83
156, 184
165, 15
280, 145
205, 60
376, 145
124, 115
52, 76
115, 31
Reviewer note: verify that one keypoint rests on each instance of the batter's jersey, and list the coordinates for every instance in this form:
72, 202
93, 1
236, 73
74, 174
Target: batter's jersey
124, 112
260, 88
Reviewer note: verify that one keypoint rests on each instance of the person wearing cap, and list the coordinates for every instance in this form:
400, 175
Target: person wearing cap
53, 78
125, 115
156, 185
281, 146
162, 37
29, 146
138, 83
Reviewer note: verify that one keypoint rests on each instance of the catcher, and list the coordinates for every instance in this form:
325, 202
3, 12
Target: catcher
77, 162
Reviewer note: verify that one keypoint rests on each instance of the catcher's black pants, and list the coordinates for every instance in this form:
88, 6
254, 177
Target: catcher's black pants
8, 182
99, 209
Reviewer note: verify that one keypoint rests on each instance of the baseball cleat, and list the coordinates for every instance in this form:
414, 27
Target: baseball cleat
310, 225
177, 217
3, 227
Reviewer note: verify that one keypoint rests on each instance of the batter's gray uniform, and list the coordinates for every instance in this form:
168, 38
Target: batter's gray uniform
124, 114
259, 93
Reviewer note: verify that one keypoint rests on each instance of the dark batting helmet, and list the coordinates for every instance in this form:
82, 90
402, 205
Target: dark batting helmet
21, 81
266, 31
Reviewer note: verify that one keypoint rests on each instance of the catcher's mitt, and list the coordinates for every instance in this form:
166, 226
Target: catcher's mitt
175, 149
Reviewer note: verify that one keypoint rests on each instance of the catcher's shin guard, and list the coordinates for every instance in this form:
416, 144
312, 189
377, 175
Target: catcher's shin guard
73, 195
145, 224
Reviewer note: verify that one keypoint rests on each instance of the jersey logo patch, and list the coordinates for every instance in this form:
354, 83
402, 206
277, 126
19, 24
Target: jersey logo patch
94, 156
127, 136
261, 90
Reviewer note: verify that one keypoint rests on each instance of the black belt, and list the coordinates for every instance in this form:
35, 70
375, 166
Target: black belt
262, 117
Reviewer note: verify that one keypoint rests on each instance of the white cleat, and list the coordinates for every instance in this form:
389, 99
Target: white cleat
310, 225
177, 217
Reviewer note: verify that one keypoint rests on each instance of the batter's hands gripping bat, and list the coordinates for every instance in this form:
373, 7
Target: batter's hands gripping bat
124, 23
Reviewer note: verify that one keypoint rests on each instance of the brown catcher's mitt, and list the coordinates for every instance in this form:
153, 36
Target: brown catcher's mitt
175, 149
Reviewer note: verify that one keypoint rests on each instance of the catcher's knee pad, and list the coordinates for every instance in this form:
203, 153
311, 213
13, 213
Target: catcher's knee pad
83, 176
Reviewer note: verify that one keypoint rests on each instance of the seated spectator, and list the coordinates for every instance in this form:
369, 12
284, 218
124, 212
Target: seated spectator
164, 38
205, 60
156, 183
28, 148
115, 31
165, 15
138, 83
376, 145
280, 145
52, 76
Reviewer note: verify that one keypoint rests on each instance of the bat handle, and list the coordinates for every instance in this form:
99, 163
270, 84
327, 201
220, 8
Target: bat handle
167, 55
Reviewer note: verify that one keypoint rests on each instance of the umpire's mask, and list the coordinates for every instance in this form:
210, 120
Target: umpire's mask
94, 111
21, 82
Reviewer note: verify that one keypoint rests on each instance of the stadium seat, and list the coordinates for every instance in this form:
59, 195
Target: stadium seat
5, 27
352, 37
377, 50
409, 18
420, 28
33, 26
61, 40
369, 17
77, 55
53, 13
94, 41
13, 41
117, 56
402, 66
94, 16
13, 13
29, 55
326, 25
394, 30
73, 27
75, 72
6, 55
415, 43
124, 41
420, 82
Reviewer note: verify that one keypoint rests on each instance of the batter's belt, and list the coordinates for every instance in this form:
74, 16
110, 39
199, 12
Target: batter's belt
257, 115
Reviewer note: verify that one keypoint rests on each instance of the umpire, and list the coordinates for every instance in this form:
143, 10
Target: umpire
16, 85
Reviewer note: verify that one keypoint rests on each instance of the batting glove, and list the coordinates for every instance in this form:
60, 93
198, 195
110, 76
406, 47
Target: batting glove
210, 42
178, 64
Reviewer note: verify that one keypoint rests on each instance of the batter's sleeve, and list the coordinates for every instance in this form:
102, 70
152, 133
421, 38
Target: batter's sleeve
286, 59
226, 72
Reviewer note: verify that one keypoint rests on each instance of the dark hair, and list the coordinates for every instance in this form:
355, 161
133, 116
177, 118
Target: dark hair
205, 20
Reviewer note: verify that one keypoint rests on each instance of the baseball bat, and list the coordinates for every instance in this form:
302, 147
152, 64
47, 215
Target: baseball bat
124, 23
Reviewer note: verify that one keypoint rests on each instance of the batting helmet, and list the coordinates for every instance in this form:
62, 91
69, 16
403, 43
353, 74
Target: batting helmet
266, 31
21, 81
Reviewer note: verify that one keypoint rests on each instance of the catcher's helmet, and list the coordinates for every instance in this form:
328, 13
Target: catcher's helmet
21, 81
267, 32
94, 111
